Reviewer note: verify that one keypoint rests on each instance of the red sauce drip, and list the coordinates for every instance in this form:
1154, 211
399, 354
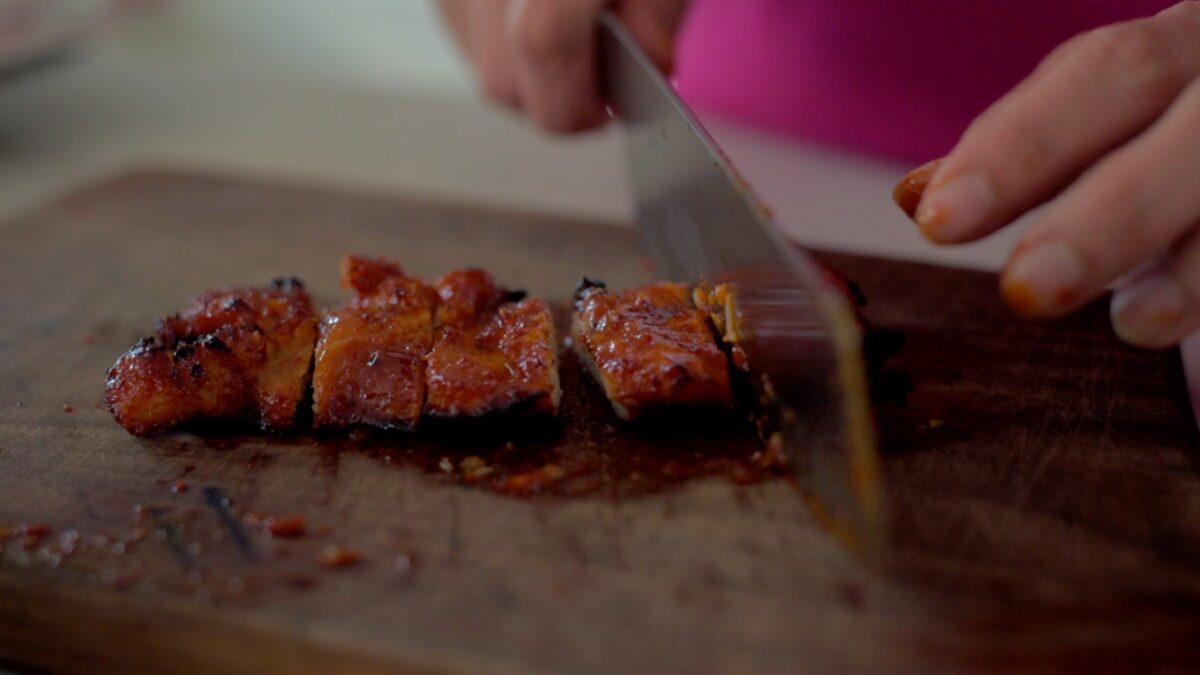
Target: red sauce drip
337, 557
585, 452
286, 527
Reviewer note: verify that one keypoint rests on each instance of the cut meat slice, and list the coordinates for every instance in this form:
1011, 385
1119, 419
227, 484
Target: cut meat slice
649, 348
720, 304
467, 295
490, 355
243, 353
370, 358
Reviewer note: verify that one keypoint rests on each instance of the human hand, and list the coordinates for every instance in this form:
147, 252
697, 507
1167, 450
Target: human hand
540, 55
1106, 134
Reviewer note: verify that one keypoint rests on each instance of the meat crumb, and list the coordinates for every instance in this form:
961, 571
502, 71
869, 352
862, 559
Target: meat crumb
286, 527
179, 486
337, 557
474, 468
67, 407
38, 530
532, 481
406, 564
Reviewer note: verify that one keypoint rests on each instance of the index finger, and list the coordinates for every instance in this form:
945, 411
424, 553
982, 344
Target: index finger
554, 61
1088, 97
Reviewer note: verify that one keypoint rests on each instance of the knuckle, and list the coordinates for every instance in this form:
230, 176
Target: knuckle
1010, 148
549, 121
1063, 52
538, 38
1122, 227
560, 121
1027, 143
1189, 10
1189, 100
498, 86
1139, 56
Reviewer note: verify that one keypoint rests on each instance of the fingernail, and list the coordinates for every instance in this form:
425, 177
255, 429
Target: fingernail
950, 212
1147, 312
1043, 280
907, 193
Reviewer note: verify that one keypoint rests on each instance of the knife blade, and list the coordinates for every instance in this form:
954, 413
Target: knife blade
702, 223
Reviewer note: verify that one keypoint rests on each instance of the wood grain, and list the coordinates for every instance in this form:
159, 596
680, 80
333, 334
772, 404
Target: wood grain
1044, 481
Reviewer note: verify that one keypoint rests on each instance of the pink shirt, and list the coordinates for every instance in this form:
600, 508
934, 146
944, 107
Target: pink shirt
900, 78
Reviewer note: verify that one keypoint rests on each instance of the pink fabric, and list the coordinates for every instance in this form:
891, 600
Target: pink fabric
900, 78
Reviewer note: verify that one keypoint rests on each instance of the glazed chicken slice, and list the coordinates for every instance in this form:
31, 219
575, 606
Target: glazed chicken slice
238, 354
370, 358
493, 352
649, 348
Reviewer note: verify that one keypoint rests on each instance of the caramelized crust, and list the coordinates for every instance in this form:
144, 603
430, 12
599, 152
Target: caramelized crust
369, 367
370, 358
649, 348
490, 357
243, 353
365, 275
466, 295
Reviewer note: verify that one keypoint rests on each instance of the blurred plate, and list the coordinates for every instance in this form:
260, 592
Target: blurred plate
34, 30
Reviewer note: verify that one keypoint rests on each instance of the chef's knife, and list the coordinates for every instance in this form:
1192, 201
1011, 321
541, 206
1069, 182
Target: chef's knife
702, 223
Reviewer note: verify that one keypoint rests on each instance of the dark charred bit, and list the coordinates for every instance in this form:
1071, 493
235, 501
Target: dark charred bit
214, 343
147, 344
287, 283
587, 284
888, 385
843, 283
197, 370
182, 351
891, 386
515, 296
879, 345
235, 303
860, 298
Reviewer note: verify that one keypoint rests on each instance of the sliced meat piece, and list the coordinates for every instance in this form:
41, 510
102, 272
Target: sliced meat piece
649, 348
370, 358
490, 355
467, 295
719, 303
364, 275
238, 354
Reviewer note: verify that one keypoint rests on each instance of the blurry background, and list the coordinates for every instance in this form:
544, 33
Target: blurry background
366, 94
385, 45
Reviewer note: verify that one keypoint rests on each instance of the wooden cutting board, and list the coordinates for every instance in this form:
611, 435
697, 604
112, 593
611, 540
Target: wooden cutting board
1044, 482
